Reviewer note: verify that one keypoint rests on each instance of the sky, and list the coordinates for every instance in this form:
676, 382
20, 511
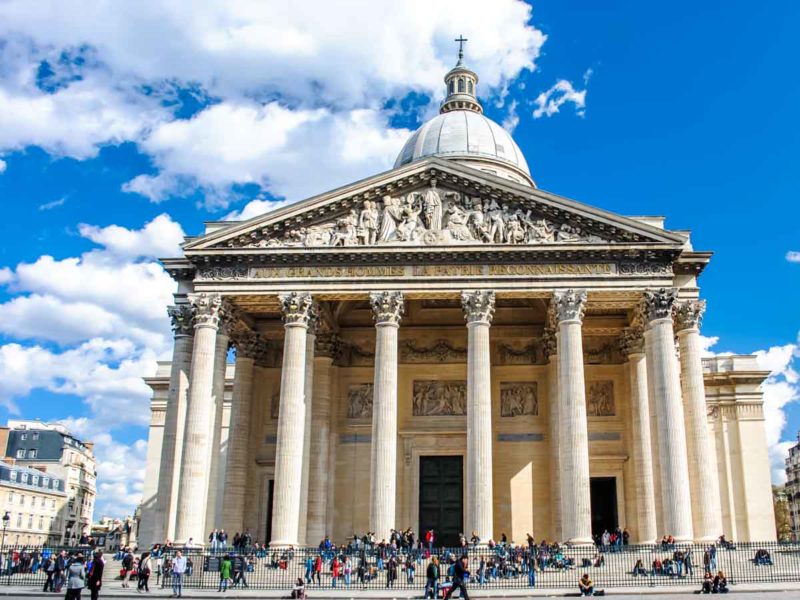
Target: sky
125, 125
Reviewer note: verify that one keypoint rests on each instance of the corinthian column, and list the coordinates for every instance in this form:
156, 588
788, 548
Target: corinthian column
478, 312
576, 515
387, 308
297, 310
632, 344
248, 346
197, 442
320, 438
666, 386
182, 316
227, 318
311, 337
703, 473
553, 424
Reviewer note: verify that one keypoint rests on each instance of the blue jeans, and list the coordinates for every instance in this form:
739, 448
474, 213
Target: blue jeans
347, 579
223, 584
432, 587
532, 577
177, 583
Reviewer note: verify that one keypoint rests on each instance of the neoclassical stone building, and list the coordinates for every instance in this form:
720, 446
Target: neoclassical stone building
444, 345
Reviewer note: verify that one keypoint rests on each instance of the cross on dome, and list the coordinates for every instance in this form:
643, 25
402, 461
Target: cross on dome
460, 39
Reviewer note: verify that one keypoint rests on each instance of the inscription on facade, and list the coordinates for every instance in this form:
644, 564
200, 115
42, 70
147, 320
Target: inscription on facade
359, 401
519, 398
600, 399
440, 398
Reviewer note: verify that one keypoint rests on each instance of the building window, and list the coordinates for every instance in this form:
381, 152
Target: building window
41, 522
469, 85
452, 86
21, 453
19, 520
24, 478
461, 85
35, 436
22, 499
32, 453
10, 496
23, 436
35, 480
13, 475
30, 521
45, 481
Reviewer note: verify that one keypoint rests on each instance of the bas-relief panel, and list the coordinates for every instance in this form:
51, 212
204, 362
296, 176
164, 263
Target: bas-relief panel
439, 398
429, 217
600, 399
359, 401
440, 351
519, 399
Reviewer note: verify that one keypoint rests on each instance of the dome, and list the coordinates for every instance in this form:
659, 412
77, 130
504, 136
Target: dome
470, 137
462, 133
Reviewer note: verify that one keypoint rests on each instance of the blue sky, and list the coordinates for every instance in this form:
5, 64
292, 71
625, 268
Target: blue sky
124, 126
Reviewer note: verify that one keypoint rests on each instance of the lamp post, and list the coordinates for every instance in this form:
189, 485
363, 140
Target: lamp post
6, 519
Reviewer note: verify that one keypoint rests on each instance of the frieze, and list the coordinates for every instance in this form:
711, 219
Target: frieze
602, 351
359, 401
519, 399
350, 355
531, 354
426, 217
440, 352
600, 399
439, 398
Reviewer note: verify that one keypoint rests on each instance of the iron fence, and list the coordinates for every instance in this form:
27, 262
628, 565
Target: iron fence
492, 568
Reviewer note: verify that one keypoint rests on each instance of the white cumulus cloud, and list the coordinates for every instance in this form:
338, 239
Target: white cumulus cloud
793, 256
562, 92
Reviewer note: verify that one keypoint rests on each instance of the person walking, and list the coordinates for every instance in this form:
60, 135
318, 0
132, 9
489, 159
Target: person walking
240, 567
225, 568
127, 567
460, 578
76, 578
391, 571
317, 574
432, 579
61, 566
94, 578
178, 570
145, 569
335, 570
309, 568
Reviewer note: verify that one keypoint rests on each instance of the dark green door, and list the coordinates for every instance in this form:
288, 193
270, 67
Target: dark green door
441, 507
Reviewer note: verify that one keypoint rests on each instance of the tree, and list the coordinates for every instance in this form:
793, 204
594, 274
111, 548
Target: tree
783, 526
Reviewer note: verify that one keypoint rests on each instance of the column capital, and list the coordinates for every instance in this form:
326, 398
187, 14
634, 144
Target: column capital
229, 315
326, 345
249, 344
206, 309
297, 308
182, 317
688, 314
570, 305
387, 307
631, 341
478, 306
657, 304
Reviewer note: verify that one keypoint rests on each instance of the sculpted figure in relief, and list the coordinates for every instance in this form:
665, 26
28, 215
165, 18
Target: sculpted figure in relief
431, 217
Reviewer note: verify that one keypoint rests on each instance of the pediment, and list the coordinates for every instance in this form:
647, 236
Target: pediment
433, 203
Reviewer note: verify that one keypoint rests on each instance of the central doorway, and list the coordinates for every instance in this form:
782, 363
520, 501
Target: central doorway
441, 498
603, 492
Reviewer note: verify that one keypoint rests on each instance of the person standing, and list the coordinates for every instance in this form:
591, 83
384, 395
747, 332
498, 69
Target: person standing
391, 571
335, 569
318, 570
50, 569
225, 568
76, 578
460, 578
145, 569
94, 579
178, 569
531, 564
213, 541
61, 565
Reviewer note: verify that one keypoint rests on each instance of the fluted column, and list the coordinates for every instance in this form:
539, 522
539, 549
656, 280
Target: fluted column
228, 317
632, 344
249, 346
297, 310
554, 462
478, 312
197, 442
673, 461
387, 308
576, 516
182, 317
311, 337
703, 472
319, 475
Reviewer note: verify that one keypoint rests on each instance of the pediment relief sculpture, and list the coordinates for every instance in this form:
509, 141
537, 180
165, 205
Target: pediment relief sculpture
427, 217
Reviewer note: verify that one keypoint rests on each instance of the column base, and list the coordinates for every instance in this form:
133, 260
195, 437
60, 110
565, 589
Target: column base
280, 544
706, 539
580, 542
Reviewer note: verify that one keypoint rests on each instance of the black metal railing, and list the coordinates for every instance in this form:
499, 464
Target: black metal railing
492, 568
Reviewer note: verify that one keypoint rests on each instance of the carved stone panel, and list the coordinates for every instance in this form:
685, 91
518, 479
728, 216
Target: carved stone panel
440, 352
600, 399
531, 354
359, 401
440, 398
518, 399
602, 350
350, 355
